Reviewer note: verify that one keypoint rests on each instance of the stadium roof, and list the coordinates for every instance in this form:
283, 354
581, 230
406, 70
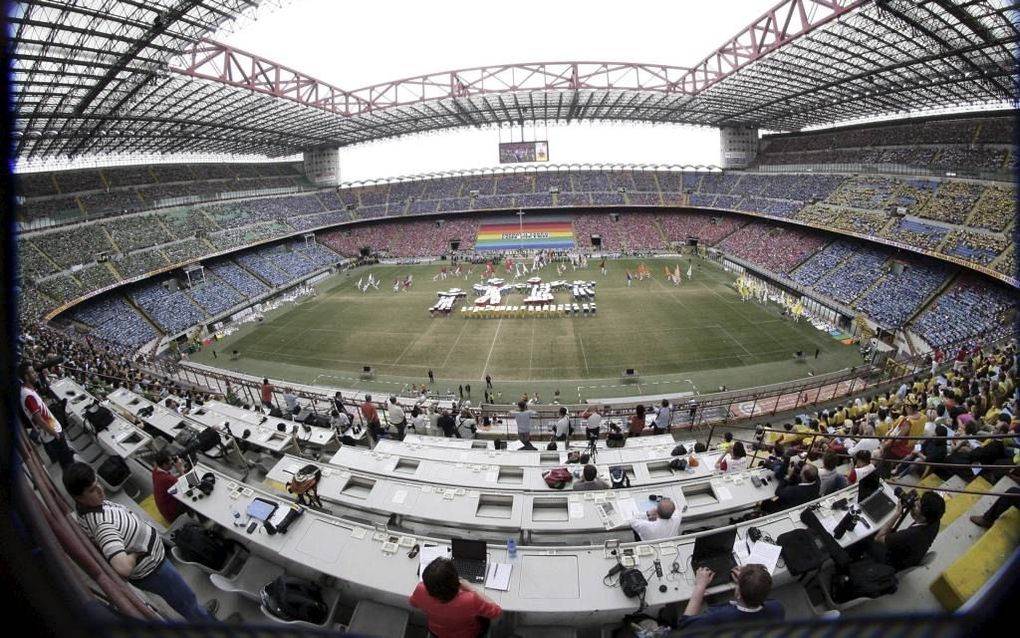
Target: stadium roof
115, 76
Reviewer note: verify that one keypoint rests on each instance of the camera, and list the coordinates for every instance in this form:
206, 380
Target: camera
655, 497
907, 498
847, 523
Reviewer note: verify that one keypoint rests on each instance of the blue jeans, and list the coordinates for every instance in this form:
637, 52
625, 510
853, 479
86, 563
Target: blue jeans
166, 582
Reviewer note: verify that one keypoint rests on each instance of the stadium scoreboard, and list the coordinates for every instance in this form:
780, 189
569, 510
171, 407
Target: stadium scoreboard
517, 152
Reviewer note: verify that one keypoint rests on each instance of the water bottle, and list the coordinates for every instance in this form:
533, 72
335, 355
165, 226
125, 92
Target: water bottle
511, 548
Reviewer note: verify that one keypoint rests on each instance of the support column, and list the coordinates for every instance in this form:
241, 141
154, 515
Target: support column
738, 147
322, 166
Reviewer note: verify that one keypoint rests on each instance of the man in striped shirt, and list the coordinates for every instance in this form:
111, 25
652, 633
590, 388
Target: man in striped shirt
132, 547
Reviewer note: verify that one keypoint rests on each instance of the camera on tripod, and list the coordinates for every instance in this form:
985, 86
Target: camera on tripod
907, 498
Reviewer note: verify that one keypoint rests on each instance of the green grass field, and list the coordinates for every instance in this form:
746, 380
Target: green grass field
688, 339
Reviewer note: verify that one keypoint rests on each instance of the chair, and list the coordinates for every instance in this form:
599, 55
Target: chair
330, 596
375, 619
250, 579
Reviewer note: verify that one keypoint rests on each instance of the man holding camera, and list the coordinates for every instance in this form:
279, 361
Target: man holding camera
906, 548
133, 548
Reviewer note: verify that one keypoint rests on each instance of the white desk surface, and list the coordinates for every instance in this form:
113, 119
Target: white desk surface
547, 584
486, 504
121, 438
315, 436
489, 467
167, 421
265, 435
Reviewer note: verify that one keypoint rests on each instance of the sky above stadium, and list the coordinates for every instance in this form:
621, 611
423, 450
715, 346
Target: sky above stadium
356, 44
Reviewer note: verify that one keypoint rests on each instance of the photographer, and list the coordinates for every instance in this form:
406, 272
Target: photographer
905, 548
165, 472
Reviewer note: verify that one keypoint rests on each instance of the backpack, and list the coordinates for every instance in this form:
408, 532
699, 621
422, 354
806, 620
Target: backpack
293, 598
615, 439
678, 465
200, 545
863, 579
679, 450
800, 552
99, 417
633, 583
552, 446
558, 477
618, 477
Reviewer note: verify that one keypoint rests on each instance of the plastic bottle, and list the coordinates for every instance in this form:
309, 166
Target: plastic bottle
511, 548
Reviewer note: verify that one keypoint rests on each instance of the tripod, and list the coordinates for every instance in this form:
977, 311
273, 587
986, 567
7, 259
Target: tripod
593, 449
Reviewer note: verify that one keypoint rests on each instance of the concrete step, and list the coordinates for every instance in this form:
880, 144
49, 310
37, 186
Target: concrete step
971, 570
958, 504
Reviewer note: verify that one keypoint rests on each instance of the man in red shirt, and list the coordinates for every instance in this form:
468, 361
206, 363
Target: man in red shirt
371, 416
46, 425
267, 393
162, 480
454, 608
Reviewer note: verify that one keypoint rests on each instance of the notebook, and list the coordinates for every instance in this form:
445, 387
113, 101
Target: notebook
715, 551
469, 558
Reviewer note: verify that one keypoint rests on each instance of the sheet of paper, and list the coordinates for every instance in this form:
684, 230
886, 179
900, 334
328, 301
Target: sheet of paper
490, 477
762, 553
430, 553
576, 510
723, 493
400, 496
628, 509
498, 576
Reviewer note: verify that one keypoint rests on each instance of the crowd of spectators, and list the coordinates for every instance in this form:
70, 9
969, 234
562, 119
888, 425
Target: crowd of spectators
185, 250
256, 264
61, 288
996, 209
867, 192
32, 263
975, 247
777, 248
185, 222
915, 233
708, 229
238, 278
136, 232
822, 262
865, 222
139, 263
631, 231
77, 245
215, 295
953, 202
172, 310
897, 297
970, 308
858, 271
113, 319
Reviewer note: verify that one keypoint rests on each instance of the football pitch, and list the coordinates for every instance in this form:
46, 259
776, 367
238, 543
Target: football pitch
691, 338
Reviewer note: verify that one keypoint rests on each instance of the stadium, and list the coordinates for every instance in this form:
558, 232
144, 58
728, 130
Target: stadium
260, 395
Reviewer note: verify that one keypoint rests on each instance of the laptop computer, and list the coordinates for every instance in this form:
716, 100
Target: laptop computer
877, 506
715, 551
469, 557
868, 486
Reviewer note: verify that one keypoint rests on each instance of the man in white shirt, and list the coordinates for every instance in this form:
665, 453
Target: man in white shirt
663, 521
396, 417
562, 431
662, 418
46, 425
593, 422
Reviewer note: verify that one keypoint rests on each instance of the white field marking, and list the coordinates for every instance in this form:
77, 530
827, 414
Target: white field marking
485, 368
732, 338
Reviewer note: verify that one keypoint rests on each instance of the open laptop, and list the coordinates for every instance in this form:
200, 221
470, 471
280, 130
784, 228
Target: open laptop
469, 557
715, 551
877, 506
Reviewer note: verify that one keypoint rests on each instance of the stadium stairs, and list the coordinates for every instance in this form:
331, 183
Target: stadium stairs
145, 315
946, 283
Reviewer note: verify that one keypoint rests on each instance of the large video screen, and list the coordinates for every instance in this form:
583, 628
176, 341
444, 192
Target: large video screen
516, 152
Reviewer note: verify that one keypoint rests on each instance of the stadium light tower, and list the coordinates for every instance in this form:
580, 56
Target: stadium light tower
520, 237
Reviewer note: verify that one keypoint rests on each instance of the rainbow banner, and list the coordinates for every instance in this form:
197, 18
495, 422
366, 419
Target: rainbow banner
539, 234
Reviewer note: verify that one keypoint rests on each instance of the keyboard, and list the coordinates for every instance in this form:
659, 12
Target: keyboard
472, 571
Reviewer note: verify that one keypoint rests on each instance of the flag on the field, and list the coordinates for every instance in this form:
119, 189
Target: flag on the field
690, 269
